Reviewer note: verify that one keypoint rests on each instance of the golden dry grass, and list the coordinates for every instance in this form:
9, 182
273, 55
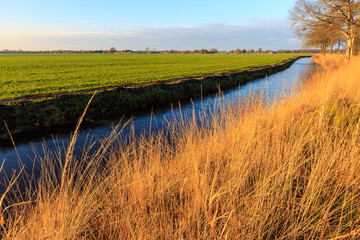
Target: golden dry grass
330, 62
289, 171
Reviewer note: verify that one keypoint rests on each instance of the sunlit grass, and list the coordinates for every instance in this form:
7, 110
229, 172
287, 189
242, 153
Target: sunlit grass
289, 171
23, 75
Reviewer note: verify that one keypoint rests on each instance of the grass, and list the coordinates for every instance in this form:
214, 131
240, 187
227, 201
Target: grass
24, 75
286, 171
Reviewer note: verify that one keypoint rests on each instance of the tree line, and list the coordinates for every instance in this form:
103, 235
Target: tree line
328, 23
213, 51
195, 51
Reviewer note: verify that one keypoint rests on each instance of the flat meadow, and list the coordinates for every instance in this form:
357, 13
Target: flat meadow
24, 75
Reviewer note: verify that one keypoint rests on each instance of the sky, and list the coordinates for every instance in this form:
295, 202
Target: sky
136, 24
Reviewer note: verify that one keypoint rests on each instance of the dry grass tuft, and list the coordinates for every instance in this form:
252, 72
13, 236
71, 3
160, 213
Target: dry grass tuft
330, 62
289, 171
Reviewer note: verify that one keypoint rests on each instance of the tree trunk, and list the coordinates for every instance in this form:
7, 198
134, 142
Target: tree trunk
349, 47
331, 45
323, 48
350, 36
338, 49
353, 43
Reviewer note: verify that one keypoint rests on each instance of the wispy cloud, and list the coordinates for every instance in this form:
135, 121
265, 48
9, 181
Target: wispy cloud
267, 35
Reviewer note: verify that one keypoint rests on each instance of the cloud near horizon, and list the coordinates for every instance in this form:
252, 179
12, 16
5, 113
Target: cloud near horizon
266, 35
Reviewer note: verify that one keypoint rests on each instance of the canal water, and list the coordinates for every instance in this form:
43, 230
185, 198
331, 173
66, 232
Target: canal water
273, 86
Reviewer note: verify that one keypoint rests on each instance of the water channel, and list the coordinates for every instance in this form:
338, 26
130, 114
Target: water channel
273, 86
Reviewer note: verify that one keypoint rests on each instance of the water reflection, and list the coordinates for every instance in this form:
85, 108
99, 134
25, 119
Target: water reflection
273, 86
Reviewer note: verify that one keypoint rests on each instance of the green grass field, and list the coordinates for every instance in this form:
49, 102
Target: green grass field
22, 75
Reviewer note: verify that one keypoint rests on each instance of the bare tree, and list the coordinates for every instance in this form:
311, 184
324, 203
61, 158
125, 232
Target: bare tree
112, 50
147, 49
213, 50
318, 34
340, 43
317, 37
237, 51
339, 15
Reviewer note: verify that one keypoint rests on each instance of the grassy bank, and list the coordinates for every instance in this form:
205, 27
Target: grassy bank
260, 172
29, 75
45, 114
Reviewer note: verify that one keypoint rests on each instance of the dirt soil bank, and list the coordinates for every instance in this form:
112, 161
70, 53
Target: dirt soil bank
36, 116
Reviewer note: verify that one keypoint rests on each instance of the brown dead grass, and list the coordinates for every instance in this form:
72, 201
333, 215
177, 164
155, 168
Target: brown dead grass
289, 171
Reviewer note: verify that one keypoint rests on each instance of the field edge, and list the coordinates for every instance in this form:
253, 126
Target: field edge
38, 116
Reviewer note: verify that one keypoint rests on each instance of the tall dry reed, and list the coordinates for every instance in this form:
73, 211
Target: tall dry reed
289, 171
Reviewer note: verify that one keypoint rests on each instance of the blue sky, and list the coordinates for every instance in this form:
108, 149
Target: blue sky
135, 24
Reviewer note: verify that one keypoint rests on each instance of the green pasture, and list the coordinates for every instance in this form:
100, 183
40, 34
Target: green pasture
22, 75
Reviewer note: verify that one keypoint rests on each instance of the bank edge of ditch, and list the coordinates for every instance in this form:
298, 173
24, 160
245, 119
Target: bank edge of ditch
38, 116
